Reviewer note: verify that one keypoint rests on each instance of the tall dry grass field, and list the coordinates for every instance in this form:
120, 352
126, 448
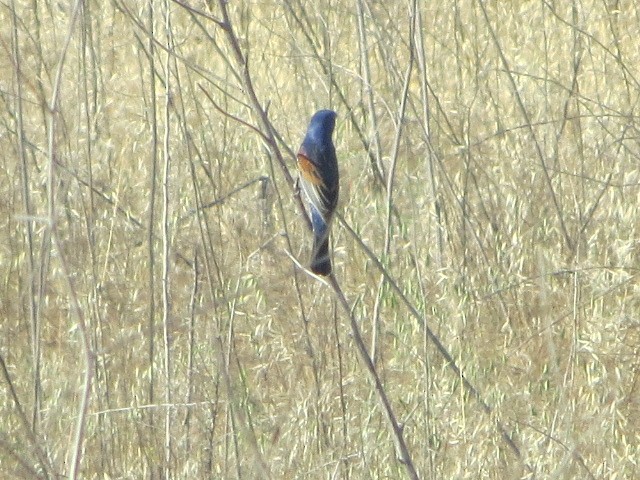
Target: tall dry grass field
155, 323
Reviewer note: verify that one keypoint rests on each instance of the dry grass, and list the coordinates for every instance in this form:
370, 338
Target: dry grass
489, 157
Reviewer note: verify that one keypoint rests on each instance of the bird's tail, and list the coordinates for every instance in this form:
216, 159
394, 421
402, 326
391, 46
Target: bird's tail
320, 261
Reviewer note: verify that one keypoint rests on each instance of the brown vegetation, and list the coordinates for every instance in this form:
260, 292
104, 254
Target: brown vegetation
154, 318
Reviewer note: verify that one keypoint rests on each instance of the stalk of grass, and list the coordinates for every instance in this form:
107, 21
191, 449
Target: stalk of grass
166, 240
343, 403
89, 73
192, 345
213, 277
233, 428
34, 320
150, 240
363, 46
426, 130
89, 365
391, 177
75, 452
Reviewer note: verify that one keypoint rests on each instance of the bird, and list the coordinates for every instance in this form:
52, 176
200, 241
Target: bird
320, 179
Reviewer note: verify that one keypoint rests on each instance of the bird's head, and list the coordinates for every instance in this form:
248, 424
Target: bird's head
321, 126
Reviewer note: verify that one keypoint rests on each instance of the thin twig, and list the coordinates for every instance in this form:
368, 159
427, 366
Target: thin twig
166, 240
198, 12
366, 77
394, 427
233, 117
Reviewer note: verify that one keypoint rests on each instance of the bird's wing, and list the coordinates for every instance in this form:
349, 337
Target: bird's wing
313, 184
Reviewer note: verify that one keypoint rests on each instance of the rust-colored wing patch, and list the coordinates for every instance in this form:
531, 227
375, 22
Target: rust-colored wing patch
309, 170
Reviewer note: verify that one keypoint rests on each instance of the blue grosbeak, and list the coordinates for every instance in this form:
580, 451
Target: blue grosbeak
318, 167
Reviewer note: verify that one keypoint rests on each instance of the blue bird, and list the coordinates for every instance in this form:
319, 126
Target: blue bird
318, 167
